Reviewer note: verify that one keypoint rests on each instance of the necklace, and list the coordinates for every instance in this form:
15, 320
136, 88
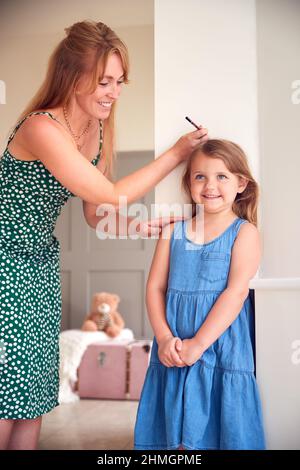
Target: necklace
76, 137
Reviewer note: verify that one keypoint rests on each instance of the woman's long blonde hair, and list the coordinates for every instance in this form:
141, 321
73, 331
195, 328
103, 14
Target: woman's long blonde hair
245, 204
85, 50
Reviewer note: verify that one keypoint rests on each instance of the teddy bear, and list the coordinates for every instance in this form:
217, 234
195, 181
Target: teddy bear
104, 315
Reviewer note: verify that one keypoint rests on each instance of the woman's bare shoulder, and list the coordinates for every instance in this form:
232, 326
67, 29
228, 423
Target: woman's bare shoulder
37, 126
42, 118
28, 129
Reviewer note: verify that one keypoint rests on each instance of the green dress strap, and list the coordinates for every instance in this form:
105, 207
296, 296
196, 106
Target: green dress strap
24, 118
51, 116
101, 137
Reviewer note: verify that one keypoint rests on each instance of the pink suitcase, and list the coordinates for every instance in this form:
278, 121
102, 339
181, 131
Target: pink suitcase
114, 370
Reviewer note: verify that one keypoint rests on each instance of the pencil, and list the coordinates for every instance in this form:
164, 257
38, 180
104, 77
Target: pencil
195, 125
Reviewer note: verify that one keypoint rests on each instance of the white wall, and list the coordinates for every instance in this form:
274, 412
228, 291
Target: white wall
135, 114
278, 41
278, 300
205, 67
29, 32
230, 65
278, 362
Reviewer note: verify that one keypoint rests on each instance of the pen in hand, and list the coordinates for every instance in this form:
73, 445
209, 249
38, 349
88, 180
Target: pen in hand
195, 125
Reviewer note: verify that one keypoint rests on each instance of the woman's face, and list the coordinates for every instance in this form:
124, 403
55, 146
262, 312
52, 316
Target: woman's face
98, 104
213, 185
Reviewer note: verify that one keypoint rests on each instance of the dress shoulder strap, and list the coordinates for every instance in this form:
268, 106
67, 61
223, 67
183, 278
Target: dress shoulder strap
237, 225
24, 118
100, 137
178, 231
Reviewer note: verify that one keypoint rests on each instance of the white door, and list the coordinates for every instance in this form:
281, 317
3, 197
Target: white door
90, 265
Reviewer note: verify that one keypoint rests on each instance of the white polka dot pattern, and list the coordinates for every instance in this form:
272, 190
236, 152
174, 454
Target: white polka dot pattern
30, 291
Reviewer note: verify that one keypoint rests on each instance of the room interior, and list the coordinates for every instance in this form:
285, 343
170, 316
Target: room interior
226, 66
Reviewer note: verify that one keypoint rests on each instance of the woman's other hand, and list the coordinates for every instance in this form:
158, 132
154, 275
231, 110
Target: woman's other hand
152, 228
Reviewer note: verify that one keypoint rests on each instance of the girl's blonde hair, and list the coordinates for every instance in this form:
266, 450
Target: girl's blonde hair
86, 49
245, 204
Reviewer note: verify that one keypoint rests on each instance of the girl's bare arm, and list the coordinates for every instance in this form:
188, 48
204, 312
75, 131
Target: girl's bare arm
157, 285
244, 264
155, 300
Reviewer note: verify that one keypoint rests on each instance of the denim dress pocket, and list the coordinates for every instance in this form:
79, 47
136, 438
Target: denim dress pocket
214, 266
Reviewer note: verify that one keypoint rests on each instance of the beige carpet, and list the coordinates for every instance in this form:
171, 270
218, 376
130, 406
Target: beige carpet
89, 424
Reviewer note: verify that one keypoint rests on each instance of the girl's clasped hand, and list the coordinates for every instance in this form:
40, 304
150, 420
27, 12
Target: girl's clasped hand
174, 352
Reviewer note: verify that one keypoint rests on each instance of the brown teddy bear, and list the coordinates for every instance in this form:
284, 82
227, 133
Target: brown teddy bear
104, 315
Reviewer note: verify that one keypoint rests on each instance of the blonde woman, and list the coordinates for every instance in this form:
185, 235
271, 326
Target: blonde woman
61, 147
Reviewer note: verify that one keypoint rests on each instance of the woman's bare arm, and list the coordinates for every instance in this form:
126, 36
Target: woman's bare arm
46, 142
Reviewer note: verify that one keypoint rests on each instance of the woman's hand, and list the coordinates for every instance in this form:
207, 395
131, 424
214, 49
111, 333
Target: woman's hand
187, 143
152, 228
167, 352
189, 350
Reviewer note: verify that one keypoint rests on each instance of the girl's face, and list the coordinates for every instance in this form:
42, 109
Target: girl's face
98, 104
213, 185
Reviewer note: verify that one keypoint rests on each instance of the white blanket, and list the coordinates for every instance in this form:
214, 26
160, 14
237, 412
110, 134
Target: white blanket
73, 344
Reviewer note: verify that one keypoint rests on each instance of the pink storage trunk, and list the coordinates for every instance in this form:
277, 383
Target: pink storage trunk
114, 370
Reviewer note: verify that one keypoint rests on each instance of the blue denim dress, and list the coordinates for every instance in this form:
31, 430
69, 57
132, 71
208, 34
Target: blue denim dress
215, 403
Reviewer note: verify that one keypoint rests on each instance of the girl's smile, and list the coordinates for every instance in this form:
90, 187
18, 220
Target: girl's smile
210, 196
213, 185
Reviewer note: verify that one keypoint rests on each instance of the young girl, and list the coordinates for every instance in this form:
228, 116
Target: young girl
200, 390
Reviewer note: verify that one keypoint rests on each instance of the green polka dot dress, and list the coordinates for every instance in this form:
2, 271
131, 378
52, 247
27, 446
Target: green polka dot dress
30, 308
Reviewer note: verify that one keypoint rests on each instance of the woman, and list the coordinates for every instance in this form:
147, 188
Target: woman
48, 159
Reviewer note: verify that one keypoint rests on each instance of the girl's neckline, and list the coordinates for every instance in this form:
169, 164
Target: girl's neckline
211, 241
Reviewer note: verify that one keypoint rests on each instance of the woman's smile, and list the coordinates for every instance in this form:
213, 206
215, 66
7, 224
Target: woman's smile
105, 104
